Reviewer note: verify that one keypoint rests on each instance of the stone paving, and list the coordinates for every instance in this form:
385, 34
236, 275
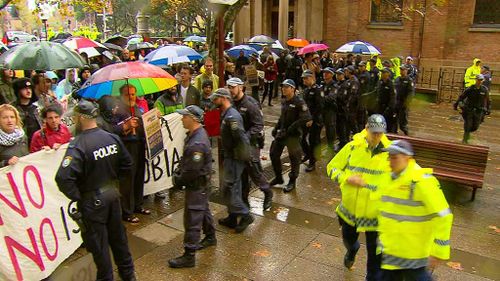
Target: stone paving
299, 238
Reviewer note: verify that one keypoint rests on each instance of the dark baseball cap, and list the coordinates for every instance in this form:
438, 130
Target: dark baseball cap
400, 147
307, 73
20, 83
289, 83
86, 109
193, 111
222, 93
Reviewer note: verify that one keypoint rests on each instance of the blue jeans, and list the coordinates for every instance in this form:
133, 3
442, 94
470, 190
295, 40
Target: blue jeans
232, 186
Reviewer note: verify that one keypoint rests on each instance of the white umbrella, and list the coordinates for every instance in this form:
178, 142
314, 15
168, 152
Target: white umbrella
358, 47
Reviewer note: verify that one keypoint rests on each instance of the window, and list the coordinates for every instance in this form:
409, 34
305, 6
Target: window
387, 11
487, 12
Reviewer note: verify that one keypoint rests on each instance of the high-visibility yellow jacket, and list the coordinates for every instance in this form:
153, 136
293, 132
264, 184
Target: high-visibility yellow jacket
471, 72
355, 158
414, 219
378, 64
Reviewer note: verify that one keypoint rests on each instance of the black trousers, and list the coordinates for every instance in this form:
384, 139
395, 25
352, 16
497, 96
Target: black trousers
418, 274
254, 171
350, 238
472, 120
403, 119
361, 118
342, 129
255, 93
197, 216
311, 140
294, 153
132, 185
104, 229
352, 121
330, 119
268, 90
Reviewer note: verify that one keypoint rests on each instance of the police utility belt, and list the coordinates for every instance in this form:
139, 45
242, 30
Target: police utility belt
200, 182
94, 193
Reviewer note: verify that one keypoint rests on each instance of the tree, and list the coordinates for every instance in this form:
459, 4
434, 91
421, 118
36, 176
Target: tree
189, 15
4, 3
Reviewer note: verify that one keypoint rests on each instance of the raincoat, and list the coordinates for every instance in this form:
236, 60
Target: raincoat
471, 72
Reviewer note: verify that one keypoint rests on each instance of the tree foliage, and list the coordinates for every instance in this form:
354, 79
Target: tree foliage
190, 15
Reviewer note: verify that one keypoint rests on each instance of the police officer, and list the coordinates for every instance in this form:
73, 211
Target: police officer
311, 137
236, 144
253, 121
353, 98
287, 132
330, 106
364, 89
89, 174
405, 90
342, 108
411, 197
374, 75
359, 168
193, 172
386, 100
473, 102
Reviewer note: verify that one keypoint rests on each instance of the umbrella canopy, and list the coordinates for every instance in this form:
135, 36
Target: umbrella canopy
61, 35
358, 47
140, 46
117, 40
195, 38
134, 40
235, 51
41, 55
297, 42
76, 43
312, 48
145, 77
113, 47
171, 54
261, 39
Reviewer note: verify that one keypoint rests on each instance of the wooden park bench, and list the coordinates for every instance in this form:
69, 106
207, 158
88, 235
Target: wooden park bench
452, 162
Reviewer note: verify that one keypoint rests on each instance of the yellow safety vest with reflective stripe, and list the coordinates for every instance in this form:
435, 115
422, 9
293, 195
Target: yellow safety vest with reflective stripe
414, 219
470, 74
355, 158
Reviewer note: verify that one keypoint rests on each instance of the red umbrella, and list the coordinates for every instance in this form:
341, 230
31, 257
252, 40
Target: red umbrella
297, 42
312, 48
76, 43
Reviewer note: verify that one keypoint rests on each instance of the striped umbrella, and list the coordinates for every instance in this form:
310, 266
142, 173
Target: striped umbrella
76, 43
172, 54
145, 77
358, 47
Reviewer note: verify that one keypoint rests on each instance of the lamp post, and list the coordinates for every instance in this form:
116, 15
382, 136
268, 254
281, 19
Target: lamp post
44, 19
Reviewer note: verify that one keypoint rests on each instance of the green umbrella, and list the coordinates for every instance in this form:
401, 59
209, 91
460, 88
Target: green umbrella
41, 55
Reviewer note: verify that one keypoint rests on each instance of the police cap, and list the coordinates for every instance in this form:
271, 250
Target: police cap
329, 69
376, 124
385, 70
289, 83
351, 68
307, 73
86, 109
220, 93
400, 147
339, 71
194, 111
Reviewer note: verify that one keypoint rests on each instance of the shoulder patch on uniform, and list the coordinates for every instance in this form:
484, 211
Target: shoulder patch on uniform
197, 156
304, 107
66, 161
234, 125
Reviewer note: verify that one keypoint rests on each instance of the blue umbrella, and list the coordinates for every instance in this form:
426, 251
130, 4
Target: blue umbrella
171, 54
358, 47
195, 38
235, 51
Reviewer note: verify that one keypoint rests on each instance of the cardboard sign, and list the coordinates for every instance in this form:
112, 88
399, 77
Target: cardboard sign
152, 128
252, 75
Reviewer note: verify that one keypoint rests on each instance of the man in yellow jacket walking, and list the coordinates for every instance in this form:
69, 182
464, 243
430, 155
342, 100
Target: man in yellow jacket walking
414, 218
359, 169
472, 72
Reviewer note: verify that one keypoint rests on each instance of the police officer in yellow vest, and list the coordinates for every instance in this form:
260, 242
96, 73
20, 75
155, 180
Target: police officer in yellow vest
414, 218
359, 169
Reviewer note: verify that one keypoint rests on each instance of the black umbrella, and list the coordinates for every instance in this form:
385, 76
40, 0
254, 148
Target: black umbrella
114, 47
61, 35
140, 46
117, 40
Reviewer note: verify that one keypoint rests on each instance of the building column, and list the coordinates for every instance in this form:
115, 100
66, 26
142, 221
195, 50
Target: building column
301, 25
283, 21
257, 18
315, 24
241, 27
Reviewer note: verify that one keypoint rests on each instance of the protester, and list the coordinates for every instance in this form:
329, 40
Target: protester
13, 141
169, 101
7, 95
270, 75
241, 61
207, 75
53, 134
28, 112
65, 86
205, 102
43, 95
190, 94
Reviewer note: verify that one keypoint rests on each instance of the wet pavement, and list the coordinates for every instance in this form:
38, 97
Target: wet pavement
299, 238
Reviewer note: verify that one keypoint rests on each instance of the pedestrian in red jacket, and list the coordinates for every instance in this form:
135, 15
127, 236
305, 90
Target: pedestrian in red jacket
270, 74
53, 133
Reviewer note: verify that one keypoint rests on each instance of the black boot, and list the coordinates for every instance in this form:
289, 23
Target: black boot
268, 199
276, 181
245, 221
349, 258
310, 167
466, 138
230, 221
208, 241
290, 186
186, 260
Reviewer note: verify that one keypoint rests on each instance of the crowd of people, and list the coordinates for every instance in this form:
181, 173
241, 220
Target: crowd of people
356, 101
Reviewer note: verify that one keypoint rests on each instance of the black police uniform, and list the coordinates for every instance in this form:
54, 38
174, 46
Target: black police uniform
405, 90
330, 111
343, 112
311, 137
386, 103
364, 89
132, 186
294, 115
294, 69
253, 122
235, 143
194, 173
89, 174
353, 103
374, 78
474, 101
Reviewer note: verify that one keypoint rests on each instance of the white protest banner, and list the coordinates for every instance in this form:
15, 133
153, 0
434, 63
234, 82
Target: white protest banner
36, 233
159, 169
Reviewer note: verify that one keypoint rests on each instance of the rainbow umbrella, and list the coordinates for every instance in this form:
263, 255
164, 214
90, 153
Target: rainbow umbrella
147, 79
